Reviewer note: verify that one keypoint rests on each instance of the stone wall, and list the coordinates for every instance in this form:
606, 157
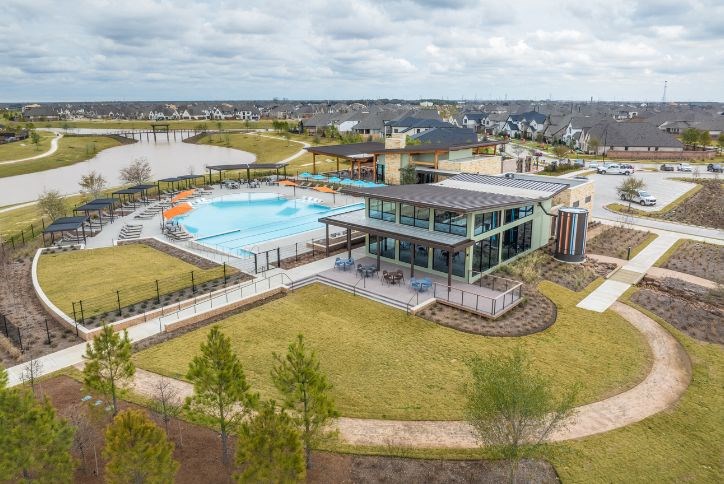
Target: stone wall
576, 194
660, 155
484, 165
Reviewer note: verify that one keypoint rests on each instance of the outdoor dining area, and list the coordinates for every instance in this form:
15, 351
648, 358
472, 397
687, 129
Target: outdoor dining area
391, 282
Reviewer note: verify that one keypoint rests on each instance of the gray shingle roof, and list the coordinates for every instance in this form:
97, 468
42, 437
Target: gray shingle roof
635, 134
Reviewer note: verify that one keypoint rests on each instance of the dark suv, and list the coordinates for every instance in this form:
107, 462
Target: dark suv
714, 167
666, 167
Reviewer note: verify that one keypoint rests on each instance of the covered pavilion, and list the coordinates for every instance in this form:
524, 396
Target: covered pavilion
67, 225
99, 205
248, 167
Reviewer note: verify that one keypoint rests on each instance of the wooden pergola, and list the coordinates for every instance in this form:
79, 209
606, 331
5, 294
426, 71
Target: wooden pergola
248, 167
355, 153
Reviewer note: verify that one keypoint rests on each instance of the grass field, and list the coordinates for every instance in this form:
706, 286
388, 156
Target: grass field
94, 275
71, 150
385, 364
18, 150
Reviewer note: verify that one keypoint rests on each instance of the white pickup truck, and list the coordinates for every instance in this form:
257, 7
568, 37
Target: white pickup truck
641, 197
614, 169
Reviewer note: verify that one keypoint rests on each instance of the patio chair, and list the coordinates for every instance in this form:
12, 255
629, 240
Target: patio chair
339, 264
400, 275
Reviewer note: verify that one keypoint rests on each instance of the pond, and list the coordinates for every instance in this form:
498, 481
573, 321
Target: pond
167, 159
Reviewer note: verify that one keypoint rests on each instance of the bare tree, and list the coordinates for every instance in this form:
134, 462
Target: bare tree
93, 184
138, 172
166, 401
77, 415
31, 372
52, 204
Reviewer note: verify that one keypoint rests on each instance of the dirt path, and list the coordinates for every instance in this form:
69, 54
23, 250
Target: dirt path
53, 149
663, 386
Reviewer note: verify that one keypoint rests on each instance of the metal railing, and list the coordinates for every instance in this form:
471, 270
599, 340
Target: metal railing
466, 299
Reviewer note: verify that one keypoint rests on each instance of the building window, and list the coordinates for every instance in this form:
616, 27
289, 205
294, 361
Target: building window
439, 262
486, 253
576, 203
421, 256
486, 221
588, 199
386, 245
513, 214
382, 210
404, 252
451, 222
380, 173
517, 240
415, 216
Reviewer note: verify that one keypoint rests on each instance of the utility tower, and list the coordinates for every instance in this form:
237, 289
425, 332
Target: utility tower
663, 97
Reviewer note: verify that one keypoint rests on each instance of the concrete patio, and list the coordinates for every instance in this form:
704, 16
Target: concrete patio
475, 298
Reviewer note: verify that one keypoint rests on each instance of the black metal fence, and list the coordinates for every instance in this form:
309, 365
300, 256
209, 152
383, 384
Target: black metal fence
23, 237
11, 331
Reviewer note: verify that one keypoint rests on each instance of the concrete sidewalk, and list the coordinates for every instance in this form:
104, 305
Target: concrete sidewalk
607, 293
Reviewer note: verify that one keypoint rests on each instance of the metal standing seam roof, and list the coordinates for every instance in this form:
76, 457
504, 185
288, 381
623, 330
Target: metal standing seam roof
65, 223
357, 219
128, 191
440, 197
551, 187
351, 150
91, 206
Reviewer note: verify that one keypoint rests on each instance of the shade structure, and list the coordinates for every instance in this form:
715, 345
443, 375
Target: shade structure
182, 195
179, 209
319, 177
359, 183
335, 179
287, 183
324, 189
305, 175
346, 181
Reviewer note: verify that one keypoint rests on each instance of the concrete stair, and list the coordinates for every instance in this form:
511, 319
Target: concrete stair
359, 291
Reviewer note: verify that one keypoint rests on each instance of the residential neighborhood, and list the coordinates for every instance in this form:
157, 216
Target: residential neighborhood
362, 242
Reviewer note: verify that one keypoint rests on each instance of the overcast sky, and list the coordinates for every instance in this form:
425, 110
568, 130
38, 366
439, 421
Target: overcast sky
64, 50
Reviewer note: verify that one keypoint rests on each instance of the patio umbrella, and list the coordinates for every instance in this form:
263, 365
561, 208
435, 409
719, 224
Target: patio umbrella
305, 175
318, 177
346, 181
359, 183
335, 179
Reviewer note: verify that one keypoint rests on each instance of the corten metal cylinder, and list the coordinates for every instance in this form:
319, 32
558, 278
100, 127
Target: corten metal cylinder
571, 227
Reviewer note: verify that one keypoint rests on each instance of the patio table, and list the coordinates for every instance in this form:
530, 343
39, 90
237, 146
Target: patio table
421, 285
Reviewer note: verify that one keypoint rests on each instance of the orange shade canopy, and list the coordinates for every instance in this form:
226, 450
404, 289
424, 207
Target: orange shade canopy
179, 209
288, 183
324, 189
182, 195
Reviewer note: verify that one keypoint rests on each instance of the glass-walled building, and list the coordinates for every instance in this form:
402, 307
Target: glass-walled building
461, 227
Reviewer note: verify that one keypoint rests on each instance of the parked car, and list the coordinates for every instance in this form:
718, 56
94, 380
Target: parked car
714, 167
666, 167
614, 169
642, 197
593, 164
579, 162
537, 153
629, 166
684, 167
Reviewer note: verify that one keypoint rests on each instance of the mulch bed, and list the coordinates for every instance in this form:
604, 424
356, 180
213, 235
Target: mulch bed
198, 450
193, 259
696, 310
705, 208
20, 304
614, 241
698, 259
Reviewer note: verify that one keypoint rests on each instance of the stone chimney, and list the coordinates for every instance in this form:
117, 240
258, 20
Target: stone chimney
396, 141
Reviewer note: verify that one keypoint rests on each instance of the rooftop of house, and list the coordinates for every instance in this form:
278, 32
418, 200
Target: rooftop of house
634, 134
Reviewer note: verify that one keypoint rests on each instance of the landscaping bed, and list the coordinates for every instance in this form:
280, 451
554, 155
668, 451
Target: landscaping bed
695, 310
614, 241
698, 259
22, 307
173, 251
198, 451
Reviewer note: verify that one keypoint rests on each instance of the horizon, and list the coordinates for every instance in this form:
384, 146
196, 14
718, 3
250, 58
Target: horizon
612, 50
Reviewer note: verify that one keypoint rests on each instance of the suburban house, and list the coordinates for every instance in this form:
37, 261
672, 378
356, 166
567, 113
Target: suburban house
621, 138
474, 121
526, 125
577, 129
413, 125
462, 227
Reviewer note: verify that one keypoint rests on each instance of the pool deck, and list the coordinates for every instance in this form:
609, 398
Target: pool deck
152, 227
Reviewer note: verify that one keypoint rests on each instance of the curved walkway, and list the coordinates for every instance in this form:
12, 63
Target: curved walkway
663, 386
53, 149
295, 155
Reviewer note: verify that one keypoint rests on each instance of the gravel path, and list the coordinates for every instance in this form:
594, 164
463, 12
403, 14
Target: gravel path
53, 149
663, 386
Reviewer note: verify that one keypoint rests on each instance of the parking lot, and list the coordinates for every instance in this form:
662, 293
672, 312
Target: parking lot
658, 184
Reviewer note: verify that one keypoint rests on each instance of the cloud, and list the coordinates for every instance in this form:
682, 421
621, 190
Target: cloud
175, 49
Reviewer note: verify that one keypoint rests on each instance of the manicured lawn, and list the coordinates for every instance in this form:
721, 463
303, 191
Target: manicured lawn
385, 364
94, 276
71, 150
18, 150
683, 444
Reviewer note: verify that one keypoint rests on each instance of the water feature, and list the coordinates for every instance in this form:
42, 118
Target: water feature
167, 158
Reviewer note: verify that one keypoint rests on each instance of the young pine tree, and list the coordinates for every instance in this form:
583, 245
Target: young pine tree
269, 448
221, 394
138, 451
108, 364
34, 442
305, 390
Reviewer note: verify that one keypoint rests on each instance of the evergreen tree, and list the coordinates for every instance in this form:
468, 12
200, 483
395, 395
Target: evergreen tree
137, 451
34, 442
269, 448
305, 390
108, 364
221, 394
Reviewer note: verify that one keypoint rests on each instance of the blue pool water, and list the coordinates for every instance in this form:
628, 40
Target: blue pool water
235, 222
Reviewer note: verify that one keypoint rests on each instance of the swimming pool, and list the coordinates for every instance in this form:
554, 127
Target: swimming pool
234, 222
